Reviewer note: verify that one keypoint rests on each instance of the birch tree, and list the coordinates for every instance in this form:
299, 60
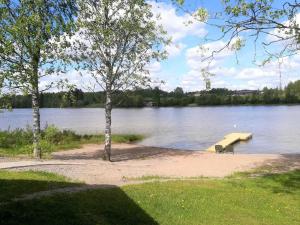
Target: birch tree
117, 39
29, 47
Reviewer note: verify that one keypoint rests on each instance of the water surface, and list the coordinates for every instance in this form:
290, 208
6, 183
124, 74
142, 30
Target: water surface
276, 129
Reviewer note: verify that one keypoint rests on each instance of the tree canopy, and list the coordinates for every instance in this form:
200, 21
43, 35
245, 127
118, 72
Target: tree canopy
116, 41
29, 36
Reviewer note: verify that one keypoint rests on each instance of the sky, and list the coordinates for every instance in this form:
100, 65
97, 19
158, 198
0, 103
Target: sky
232, 70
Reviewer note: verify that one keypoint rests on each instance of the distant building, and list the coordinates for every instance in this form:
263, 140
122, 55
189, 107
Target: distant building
149, 104
233, 93
246, 92
197, 94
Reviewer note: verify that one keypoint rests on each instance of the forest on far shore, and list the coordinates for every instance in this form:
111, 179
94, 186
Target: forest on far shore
158, 98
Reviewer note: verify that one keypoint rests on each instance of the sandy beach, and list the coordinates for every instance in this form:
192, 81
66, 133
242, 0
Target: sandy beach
133, 161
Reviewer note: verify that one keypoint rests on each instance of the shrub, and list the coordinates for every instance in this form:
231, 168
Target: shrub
52, 134
19, 141
15, 138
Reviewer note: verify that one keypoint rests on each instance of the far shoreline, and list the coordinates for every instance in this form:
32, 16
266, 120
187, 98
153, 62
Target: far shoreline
162, 107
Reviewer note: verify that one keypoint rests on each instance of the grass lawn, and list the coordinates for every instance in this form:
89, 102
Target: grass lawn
19, 142
240, 199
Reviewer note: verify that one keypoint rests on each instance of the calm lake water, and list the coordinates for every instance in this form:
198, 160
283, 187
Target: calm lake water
276, 129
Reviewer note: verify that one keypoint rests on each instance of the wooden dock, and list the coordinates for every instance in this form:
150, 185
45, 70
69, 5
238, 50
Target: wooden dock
231, 139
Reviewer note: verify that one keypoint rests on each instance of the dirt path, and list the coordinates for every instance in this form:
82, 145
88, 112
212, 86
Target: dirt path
132, 161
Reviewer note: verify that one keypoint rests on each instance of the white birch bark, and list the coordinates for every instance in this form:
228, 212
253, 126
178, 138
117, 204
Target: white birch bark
36, 124
108, 109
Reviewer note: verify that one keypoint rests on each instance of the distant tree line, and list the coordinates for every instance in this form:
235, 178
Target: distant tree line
159, 98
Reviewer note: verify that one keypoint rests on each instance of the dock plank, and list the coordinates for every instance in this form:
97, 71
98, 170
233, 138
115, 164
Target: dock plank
231, 139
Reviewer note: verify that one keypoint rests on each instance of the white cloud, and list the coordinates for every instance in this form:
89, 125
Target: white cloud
198, 57
81, 79
155, 71
254, 72
249, 77
174, 49
154, 67
176, 25
193, 81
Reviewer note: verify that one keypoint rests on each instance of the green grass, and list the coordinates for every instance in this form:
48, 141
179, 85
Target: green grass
15, 184
19, 141
268, 199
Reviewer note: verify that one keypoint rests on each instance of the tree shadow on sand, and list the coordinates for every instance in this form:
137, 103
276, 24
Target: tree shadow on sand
118, 154
144, 152
105, 205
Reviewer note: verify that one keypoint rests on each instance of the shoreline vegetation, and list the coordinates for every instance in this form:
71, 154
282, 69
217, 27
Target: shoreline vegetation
18, 142
158, 98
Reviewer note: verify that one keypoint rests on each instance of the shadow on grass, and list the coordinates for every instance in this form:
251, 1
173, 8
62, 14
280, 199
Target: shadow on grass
281, 183
281, 175
104, 205
10, 189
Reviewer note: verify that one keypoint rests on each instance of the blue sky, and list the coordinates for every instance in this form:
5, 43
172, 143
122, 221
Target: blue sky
184, 64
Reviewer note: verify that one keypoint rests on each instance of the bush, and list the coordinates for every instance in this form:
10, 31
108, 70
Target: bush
52, 135
15, 138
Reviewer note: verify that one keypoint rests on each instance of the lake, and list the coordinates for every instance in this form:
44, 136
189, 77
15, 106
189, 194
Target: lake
276, 129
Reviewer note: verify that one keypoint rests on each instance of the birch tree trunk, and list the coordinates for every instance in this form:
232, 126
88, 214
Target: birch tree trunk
108, 108
36, 124
35, 96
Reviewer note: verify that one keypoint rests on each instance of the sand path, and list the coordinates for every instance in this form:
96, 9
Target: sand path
132, 161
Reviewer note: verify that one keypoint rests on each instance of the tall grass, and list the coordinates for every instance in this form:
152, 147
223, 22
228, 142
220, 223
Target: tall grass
19, 141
